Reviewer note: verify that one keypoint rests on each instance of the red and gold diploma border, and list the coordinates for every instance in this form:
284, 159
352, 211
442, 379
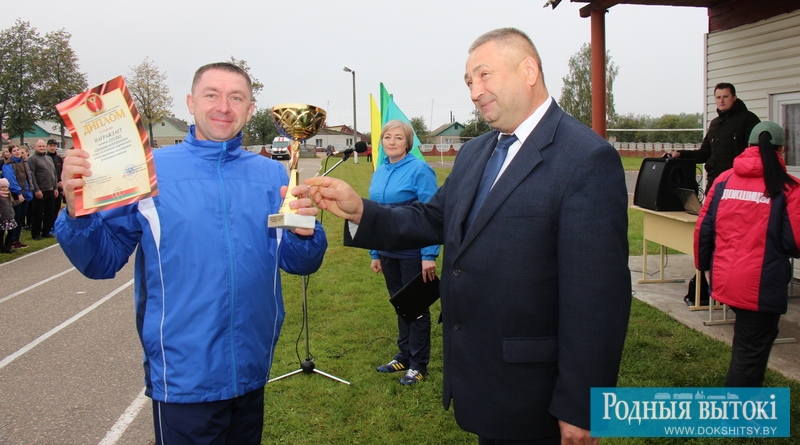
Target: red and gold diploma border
80, 100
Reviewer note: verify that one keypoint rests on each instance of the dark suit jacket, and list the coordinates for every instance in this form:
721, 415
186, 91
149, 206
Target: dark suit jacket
536, 294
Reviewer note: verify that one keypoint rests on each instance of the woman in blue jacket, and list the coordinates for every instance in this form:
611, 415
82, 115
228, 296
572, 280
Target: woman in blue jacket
403, 179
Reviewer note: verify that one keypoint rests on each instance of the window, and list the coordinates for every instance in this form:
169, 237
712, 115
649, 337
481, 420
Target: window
785, 111
318, 142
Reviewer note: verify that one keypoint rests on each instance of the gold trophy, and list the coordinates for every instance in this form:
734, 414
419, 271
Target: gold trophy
297, 122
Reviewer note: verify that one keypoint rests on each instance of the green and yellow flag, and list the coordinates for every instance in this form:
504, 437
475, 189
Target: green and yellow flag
389, 111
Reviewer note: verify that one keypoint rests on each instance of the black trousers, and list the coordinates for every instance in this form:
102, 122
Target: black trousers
56, 208
226, 422
43, 214
753, 336
413, 339
19, 215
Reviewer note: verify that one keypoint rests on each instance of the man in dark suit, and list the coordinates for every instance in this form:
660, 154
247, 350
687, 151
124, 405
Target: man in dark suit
536, 289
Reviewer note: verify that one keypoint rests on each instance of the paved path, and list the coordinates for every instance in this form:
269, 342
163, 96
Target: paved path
70, 360
668, 297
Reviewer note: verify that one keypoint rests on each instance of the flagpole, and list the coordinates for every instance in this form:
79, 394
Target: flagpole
355, 131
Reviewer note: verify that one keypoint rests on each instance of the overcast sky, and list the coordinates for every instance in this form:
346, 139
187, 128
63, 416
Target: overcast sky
417, 48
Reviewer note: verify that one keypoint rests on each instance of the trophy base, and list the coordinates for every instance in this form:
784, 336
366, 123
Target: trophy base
291, 221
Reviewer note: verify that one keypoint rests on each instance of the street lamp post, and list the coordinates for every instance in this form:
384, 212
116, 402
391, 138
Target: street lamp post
355, 131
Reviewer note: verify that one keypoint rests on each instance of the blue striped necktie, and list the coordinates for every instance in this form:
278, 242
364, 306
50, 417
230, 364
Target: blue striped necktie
490, 173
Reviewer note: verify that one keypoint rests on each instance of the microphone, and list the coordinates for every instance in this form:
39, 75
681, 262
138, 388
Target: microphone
360, 147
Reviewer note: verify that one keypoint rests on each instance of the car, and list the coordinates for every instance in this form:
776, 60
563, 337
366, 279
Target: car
280, 153
280, 148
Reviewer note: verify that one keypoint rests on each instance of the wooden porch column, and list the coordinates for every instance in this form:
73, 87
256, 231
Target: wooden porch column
599, 72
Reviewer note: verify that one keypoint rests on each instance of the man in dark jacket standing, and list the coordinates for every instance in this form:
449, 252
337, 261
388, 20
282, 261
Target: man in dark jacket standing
45, 191
58, 161
727, 134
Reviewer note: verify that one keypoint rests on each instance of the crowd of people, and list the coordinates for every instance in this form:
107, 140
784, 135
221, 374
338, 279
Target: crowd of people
34, 191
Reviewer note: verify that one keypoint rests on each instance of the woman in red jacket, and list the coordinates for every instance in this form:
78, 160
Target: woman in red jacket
746, 232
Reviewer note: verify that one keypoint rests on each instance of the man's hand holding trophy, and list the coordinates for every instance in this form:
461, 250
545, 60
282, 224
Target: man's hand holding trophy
297, 122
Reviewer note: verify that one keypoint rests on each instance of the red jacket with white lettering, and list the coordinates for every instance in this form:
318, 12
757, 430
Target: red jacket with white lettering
746, 239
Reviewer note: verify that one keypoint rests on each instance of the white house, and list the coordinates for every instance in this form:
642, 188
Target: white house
170, 131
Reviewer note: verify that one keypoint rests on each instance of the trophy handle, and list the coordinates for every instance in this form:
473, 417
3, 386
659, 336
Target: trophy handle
294, 177
294, 150
288, 218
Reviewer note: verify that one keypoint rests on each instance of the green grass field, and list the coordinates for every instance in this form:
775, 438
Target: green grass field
352, 330
25, 238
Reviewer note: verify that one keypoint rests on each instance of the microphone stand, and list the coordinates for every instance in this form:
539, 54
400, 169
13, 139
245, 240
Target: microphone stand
307, 366
346, 156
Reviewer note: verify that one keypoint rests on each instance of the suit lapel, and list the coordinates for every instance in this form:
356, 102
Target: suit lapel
470, 188
528, 157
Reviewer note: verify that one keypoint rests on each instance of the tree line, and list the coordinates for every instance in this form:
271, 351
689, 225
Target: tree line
37, 72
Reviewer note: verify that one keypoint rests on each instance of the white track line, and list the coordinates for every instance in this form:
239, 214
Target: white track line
20, 292
125, 420
28, 255
63, 325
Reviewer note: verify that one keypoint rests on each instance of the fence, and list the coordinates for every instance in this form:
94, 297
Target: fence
650, 149
634, 149
440, 149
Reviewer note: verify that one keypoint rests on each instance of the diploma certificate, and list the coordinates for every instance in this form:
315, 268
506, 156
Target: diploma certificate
104, 122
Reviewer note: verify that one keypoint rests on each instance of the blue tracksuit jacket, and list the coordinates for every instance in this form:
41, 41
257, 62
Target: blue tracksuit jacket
207, 284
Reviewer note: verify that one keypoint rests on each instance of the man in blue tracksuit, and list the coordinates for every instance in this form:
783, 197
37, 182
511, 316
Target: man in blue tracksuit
208, 294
